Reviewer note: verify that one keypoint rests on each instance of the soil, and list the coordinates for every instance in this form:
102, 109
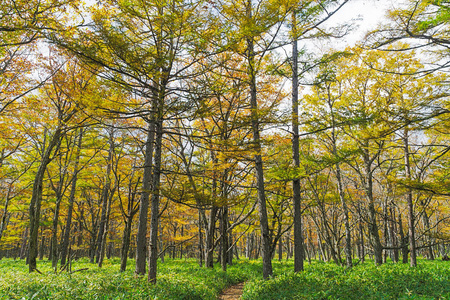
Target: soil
233, 292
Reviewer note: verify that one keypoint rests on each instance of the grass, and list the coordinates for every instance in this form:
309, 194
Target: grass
184, 279
177, 279
430, 280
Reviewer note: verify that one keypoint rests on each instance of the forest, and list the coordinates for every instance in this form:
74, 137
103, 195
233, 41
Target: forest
169, 149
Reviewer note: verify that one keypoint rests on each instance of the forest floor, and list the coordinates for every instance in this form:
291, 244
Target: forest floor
233, 292
184, 279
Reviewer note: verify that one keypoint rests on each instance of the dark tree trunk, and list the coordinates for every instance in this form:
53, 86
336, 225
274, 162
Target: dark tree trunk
126, 238
65, 242
426, 224
362, 253
105, 196
105, 231
5, 215
224, 238
409, 197
348, 237
373, 224
403, 243
200, 238
298, 239
209, 262
54, 248
36, 198
125, 244
263, 220
141, 236
392, 235
153, 242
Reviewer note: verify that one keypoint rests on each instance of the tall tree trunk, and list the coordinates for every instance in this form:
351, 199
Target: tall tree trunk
54, 244
224, 237
348, 236
105, 231
65, 242
209, 251
403, 243
209, 261
409, 197
373, 224
426, 225
392, 236
126, 238
153, 242
36, 198
280, 249
263, 220
362, 253
298, 239
141, 236
5, 215
105, 196
200, 237
125, 243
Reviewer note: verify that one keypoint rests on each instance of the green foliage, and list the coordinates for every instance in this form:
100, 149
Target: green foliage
184, 279
430, 280
178, 279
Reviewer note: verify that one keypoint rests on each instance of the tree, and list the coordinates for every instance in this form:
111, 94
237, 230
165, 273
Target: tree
65, 96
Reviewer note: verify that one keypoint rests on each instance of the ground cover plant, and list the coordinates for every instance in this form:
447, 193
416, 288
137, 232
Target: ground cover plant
429, 280
184, 279
179, 279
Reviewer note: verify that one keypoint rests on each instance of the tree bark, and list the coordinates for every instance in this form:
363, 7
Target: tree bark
263, 220
65, 242
36, 198
105, 197
153, 242
224, 239
141, 236
298, 238
209, 261
409, 198
105, 231
125, 243
373, 224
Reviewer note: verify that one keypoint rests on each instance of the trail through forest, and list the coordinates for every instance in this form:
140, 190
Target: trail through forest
233, 292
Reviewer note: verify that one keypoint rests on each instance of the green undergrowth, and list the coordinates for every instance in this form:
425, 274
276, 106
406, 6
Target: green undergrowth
184, 279
430, 280
177, 279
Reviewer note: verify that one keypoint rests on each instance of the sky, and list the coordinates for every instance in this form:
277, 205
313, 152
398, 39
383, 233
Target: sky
365, 13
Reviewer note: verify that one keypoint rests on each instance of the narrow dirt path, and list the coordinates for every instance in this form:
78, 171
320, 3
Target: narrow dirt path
233, 292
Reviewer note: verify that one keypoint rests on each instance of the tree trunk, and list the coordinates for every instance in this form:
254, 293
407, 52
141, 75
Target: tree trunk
426, 224
105, 231
403, 243
65, 242
263, 220
5, 215
141, 236
409, 197
209, 261
280, 249
54, 248
105, 197
298, 239
392, 236
373, 224
200, 238
153, 242
125, 243
224, 237
36, 198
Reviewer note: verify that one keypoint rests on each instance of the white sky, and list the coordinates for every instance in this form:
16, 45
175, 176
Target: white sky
366, 14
